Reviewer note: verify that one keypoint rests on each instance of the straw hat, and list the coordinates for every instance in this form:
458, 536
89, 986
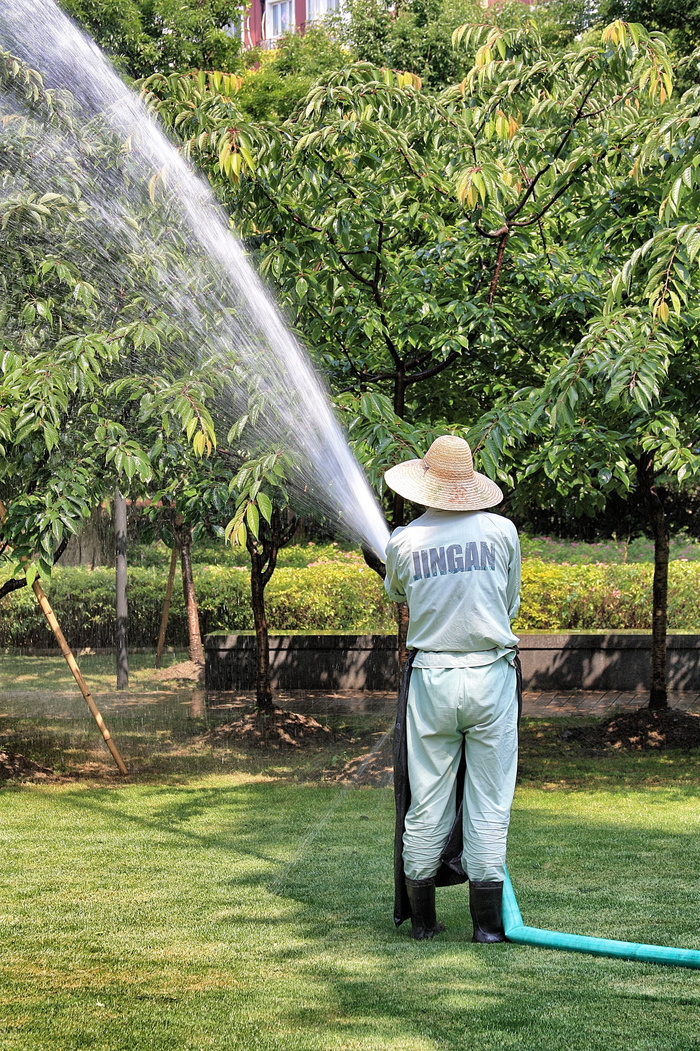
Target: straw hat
445, 478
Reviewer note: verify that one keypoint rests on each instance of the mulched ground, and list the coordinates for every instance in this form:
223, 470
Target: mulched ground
187, 671
640, 730
373, 769
275, 729
18, 767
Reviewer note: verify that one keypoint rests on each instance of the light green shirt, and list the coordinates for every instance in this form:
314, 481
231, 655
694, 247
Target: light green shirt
459, 572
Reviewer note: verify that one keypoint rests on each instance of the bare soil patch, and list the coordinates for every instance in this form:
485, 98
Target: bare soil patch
18, 767
188, 671
372, 769
275, 729
640, 731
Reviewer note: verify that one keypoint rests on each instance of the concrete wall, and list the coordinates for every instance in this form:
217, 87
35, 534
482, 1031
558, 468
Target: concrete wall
304, 662
615, 661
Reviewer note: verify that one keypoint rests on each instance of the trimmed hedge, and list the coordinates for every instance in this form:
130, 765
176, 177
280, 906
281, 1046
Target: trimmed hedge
604, 597
334, 598
342, 598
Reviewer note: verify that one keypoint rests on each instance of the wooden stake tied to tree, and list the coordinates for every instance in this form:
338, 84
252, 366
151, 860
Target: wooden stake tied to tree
31, 576
184, 541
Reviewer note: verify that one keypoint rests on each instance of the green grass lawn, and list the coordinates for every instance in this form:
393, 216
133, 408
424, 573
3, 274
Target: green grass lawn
250, 909
22, 673
237, 912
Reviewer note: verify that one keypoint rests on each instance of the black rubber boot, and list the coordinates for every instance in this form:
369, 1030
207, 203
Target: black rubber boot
486, 908
421, 896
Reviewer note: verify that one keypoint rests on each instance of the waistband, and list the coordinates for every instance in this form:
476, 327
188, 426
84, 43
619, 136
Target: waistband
453, 659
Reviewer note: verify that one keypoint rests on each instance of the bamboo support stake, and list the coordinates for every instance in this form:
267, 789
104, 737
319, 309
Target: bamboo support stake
73, 665
166, 607
77, 674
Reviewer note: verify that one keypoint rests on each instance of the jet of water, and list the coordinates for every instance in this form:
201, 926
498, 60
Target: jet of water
216, 300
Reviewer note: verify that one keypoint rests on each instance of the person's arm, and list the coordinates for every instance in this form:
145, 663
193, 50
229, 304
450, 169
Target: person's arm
392, 584
514, 573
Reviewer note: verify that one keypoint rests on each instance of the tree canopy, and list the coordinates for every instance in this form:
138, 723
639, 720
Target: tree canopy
678, 19
524, 244
142, 36
618, 405
418, 237
81, 410
416, 36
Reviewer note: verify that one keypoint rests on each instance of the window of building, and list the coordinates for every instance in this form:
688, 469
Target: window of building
280, 17
318, 9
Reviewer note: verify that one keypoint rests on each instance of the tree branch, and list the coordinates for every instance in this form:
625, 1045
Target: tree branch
12, 585
346, 266
518, 207
297, 219
497, 269
434, 369
540, 215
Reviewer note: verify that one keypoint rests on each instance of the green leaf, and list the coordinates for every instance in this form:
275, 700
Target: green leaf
265, 506
252, 517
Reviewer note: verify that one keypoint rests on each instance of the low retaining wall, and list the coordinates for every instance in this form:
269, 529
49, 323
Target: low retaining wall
304, 662
614, 661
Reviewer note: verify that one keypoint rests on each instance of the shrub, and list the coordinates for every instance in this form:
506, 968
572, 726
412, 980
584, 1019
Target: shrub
333, 596
604, 597
326, 597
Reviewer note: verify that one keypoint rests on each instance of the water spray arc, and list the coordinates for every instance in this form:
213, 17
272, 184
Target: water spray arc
216, 302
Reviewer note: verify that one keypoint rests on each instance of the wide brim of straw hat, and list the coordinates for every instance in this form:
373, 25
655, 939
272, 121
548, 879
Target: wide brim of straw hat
439, 481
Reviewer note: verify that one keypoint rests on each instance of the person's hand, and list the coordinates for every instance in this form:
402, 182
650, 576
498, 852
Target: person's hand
374, 561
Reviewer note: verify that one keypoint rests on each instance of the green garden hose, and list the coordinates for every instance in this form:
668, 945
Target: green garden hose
516, 931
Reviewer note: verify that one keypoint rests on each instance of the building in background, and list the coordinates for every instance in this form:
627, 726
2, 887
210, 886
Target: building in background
266, 21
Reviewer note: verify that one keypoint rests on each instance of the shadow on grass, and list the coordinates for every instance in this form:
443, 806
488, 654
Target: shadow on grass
286, 939
324, 842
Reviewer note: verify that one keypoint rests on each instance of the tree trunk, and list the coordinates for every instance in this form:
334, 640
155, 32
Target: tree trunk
166, 607
184, 535
263, 685
398, 512
94, 544
121, 600
658, 696
400, 385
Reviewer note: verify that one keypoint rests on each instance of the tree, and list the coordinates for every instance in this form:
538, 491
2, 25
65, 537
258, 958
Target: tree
381, 243
77, 418
142, 36
192, 496
617, 408
679, 19
174, 332
417, 35
277, 80
369, 259
262, 523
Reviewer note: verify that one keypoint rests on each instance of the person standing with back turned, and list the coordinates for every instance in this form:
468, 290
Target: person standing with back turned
458, 568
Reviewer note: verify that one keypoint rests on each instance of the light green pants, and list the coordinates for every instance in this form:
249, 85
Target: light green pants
449, 708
